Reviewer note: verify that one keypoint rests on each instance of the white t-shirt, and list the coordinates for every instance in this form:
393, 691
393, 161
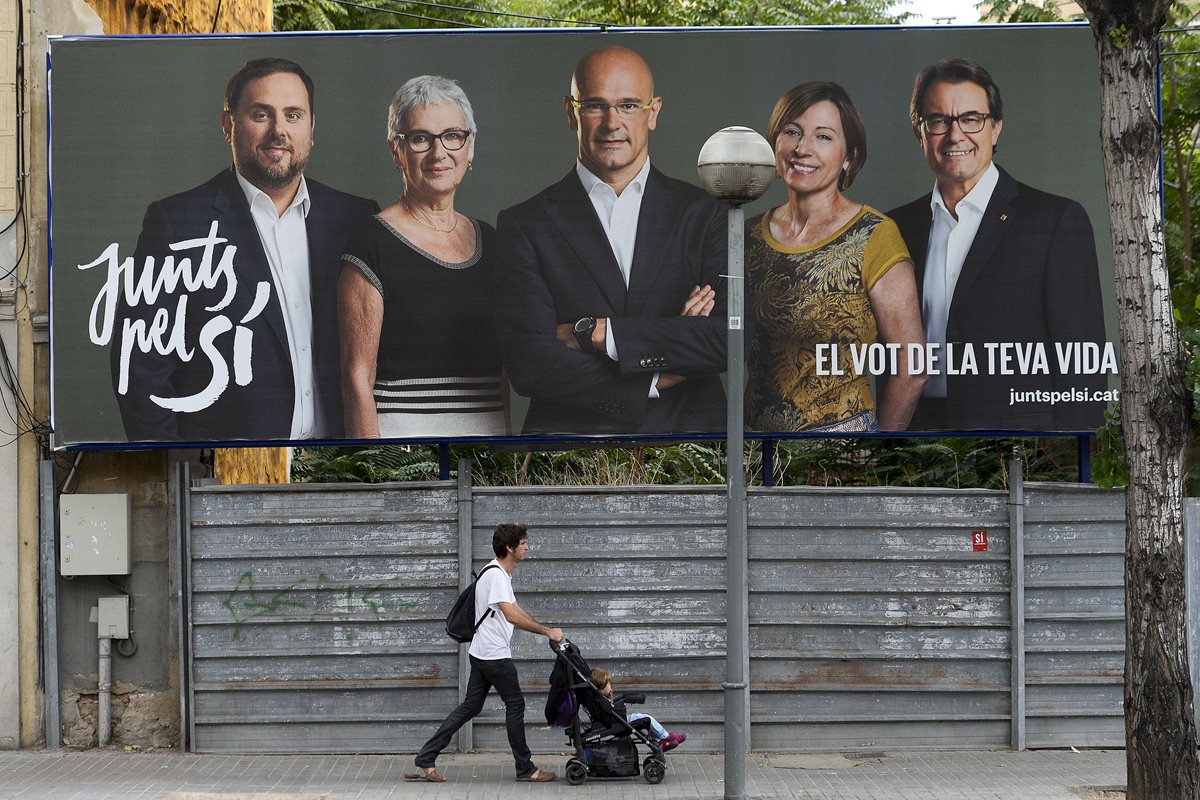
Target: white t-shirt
493, 640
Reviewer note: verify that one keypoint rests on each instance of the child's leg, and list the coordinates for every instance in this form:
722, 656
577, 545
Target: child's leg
659, 731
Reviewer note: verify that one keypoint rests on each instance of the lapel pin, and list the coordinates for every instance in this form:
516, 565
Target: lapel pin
1003, 217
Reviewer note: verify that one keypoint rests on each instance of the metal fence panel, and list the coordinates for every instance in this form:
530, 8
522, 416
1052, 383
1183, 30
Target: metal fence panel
876, 621
879, 623
317, 617
1075, 616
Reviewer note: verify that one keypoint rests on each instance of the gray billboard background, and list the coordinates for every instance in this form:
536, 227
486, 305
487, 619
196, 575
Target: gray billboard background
135, 119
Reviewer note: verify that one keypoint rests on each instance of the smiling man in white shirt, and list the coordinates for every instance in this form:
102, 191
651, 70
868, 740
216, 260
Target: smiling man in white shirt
996, 261
257, 357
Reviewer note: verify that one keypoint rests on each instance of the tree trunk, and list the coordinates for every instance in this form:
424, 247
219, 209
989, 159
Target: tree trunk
1160, 730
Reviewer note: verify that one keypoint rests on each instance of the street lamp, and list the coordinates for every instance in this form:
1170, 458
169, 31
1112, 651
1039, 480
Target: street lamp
736, 165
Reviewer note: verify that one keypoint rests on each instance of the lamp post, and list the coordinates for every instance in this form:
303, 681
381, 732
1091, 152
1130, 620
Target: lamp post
736, 166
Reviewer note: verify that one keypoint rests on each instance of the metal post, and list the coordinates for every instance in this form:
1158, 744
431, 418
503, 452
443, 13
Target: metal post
768, 462
444, 461
737, 622
1084, 444
48, 539
1191, 560
466, 734
104, 685
181, 554
1016, 552
736, 165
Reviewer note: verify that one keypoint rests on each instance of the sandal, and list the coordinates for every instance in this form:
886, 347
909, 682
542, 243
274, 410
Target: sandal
425, 774
539, 776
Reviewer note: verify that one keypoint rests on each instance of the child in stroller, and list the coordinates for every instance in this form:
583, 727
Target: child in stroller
606, 743
602, 680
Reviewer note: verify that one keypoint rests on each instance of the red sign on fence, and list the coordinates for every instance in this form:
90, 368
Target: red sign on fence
978, 540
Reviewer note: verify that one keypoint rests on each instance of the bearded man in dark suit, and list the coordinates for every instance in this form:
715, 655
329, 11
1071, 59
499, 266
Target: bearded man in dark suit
996, 261
613, 312
230, 332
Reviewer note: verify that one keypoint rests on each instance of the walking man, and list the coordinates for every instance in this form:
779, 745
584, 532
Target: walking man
491, 660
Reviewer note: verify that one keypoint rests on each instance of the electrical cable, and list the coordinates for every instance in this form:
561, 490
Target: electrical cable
65, 488
19, 410
23, 415
124, 647
20, 216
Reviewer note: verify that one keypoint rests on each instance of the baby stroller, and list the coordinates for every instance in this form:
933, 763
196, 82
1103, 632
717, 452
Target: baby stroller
606, 745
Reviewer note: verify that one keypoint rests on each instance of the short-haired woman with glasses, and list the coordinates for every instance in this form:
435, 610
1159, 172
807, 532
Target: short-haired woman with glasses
419, 358
826, 275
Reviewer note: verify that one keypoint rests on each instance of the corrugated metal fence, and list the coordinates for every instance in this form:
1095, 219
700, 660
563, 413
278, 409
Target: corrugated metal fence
316, 613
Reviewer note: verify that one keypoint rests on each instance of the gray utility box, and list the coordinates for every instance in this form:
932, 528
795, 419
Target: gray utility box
94, 534
112, 617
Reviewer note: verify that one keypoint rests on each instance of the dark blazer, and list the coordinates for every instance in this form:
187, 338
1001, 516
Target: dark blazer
255, 403
1030, 276
556, 266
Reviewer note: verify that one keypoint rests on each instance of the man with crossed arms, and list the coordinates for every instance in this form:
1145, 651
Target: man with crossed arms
614, 313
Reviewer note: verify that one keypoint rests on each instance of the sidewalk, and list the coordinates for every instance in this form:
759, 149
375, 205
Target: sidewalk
1001, 775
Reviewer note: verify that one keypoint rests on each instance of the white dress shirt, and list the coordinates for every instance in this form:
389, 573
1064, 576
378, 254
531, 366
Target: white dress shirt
285, 240
950, 240
619, 217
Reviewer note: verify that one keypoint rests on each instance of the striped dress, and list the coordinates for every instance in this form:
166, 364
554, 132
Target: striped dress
438, 369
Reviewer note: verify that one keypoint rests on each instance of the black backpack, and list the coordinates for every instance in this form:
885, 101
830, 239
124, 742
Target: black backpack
460, 622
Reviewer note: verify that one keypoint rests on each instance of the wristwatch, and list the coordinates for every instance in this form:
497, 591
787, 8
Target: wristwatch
583, 333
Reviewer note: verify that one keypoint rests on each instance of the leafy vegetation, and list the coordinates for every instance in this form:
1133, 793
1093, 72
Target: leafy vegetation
376, 464
955, 462
1025, 11
294, 15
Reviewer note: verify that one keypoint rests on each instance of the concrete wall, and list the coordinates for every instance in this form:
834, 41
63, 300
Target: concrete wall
143, 678
9, 667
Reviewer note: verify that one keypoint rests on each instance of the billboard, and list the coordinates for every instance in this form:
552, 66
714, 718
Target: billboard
289, 264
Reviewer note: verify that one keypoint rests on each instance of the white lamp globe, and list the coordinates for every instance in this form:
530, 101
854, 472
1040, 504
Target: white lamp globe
736, 165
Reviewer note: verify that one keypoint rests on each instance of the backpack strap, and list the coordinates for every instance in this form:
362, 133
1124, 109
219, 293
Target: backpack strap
490, 611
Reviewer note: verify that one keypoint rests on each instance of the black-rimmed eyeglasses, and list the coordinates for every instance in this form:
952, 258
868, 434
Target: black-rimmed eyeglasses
420, 141
938, 124
592, 108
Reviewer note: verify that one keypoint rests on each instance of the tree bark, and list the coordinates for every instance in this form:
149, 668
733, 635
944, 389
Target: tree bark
1160, 730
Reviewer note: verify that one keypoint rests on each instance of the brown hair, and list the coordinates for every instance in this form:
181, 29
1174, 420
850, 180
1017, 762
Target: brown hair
798, 99
600, 677
955, 70
261, 68
508, 536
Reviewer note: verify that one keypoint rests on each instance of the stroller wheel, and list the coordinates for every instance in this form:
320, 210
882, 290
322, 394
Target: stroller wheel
576, 772
653, 770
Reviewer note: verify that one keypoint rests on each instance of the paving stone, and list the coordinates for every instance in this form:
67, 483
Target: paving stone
999, 775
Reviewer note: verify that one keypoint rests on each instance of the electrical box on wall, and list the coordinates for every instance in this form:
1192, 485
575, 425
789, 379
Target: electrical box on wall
94, 534
112, 617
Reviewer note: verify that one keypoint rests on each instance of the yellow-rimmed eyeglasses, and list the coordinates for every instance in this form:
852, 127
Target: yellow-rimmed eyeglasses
594, 108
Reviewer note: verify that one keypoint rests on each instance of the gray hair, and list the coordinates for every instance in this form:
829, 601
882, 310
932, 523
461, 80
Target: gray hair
425, 90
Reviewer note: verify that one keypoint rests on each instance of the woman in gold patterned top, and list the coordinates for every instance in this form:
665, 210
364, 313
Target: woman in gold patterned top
827, 276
